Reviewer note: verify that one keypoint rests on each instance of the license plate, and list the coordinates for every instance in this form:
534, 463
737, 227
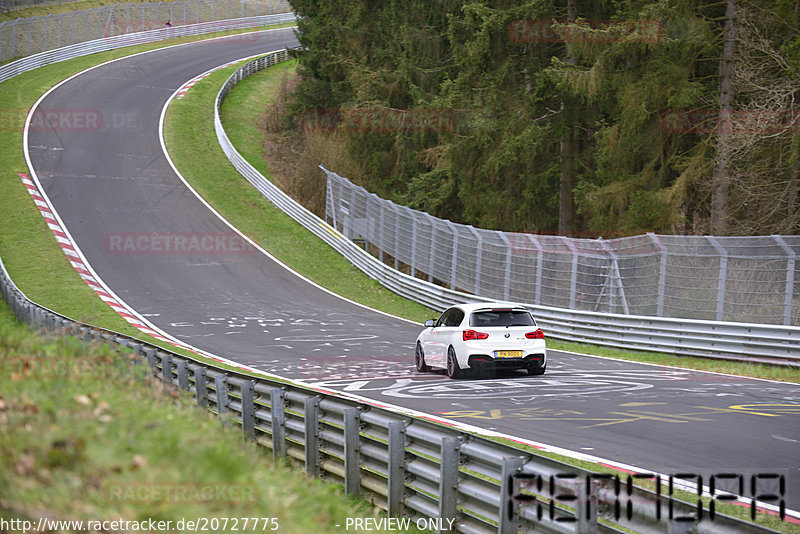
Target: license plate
508, 354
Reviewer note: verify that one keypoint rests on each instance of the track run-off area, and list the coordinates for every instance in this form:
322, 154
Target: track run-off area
110, 182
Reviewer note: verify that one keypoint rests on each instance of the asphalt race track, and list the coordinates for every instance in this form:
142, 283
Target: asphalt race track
110, 181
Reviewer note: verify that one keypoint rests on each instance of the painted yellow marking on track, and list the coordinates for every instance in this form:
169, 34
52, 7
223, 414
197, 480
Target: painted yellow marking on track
631, 416
765, 409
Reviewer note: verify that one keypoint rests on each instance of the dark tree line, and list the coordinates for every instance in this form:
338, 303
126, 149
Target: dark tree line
570, 116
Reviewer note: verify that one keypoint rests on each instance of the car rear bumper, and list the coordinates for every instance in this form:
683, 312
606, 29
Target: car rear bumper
481, 361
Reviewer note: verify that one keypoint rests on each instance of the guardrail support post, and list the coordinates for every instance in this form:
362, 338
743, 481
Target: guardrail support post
248, 411
150, 353
311, 405
352, 461
586, 506
509, 487
183, 374
221, 387
448, 479
166, 370
397, 467
278, 420
200, 390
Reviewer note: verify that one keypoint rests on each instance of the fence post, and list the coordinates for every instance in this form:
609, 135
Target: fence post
397, 467
662, 273
432, 265
453, 259
352, 467
413, 243
396, 247
381, 231
573, 284
723, 273
509, 249
791, 259
478, 258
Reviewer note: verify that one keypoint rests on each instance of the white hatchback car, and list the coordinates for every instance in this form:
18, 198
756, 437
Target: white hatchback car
482, 336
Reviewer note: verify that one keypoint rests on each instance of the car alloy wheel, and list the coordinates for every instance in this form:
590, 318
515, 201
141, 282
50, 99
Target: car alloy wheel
419, 360
453, 370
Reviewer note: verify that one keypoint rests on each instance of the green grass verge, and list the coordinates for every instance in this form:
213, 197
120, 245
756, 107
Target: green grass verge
82, 437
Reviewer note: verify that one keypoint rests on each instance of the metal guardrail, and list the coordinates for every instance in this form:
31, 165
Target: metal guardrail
413, 468
109, 43
710, 339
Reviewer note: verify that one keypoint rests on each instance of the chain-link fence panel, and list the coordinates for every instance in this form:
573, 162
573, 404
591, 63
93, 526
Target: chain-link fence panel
26, 36
738, 279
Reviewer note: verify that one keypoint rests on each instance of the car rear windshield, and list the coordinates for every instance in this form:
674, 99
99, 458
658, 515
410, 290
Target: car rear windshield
503, 317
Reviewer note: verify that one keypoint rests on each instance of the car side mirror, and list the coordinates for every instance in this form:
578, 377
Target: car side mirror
429, 323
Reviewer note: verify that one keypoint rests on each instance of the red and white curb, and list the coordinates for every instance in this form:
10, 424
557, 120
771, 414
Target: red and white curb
70, 250
188, 85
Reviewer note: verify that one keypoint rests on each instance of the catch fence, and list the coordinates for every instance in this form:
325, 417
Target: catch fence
32, 35
736, 279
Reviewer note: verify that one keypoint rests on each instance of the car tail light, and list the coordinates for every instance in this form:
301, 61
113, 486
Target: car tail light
472, 334
537, 334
